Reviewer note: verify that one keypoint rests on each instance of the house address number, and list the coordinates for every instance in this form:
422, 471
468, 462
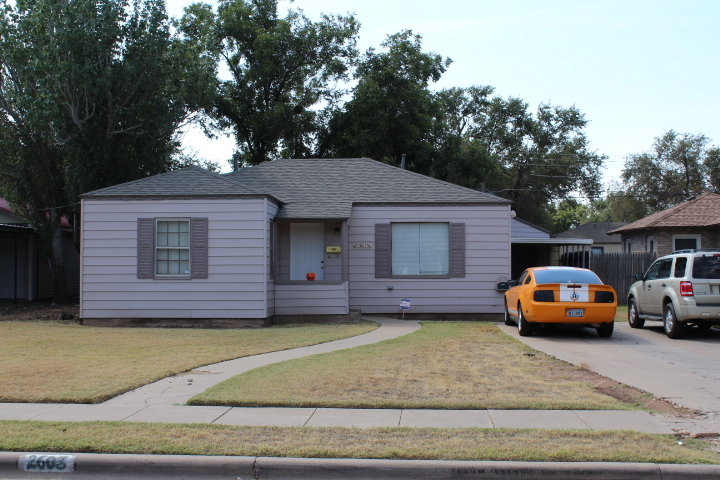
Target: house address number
47, 463
362, 245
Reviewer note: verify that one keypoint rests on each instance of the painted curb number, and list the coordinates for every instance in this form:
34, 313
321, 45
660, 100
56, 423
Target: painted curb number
47, 463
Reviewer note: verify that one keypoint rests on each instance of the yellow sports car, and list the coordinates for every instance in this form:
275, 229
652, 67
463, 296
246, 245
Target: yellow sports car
560, 295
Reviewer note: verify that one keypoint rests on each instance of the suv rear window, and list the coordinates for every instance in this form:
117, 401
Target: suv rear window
706, 267
566, 276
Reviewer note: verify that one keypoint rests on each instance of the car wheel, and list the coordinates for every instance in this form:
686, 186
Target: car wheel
525, 328
606, 330
673, 328
508, 319
634, 319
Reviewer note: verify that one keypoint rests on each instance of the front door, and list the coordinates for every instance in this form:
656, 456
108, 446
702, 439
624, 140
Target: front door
307, 250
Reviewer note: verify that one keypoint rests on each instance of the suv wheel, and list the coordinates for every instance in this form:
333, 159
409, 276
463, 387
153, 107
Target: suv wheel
634, 319
508, 319
525, 328
673, 328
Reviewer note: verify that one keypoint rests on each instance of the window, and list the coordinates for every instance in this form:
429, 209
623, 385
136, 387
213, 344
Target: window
659, 269
597, 250
432, 249
650, 244
685, 242
420, 249
172, 247
680, 266
628, 246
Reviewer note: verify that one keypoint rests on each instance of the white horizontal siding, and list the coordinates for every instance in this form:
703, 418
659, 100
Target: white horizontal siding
236, 286
316, 299
487, 260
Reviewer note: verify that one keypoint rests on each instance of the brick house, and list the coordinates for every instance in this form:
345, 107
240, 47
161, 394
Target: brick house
694, 223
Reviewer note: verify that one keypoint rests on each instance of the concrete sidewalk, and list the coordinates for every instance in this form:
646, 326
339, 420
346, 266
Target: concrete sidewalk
346, 417
180, 388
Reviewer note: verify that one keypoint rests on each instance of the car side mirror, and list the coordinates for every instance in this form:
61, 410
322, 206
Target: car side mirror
639, 276
512, 283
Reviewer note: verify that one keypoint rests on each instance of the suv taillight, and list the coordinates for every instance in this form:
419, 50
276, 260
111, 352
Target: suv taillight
686, 289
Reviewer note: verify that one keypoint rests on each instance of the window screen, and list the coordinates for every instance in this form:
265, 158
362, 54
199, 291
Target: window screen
420, 249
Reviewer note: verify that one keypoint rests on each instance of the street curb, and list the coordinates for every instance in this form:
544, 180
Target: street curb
186, 467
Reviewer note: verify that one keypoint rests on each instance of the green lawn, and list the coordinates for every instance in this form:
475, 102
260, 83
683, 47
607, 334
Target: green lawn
454, 365
43, 361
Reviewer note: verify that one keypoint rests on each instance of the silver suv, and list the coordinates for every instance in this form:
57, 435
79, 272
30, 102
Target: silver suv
680, 289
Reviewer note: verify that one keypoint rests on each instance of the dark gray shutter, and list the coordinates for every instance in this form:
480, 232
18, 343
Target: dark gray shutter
199, 248
457, 250
383, 266
146, 248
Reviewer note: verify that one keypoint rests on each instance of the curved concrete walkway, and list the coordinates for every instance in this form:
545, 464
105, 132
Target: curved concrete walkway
179, 389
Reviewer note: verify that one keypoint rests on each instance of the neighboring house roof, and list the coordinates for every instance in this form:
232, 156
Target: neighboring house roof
327, 188
5, 206
190, 181
701, 211
596, 231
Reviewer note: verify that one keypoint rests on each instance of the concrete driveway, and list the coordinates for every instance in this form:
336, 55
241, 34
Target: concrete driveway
686, 371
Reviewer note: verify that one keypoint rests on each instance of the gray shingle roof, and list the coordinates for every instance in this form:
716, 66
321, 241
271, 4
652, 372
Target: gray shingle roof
597, 231
327, 188
189, 181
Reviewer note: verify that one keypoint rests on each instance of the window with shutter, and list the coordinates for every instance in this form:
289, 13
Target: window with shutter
431, 249
172, 248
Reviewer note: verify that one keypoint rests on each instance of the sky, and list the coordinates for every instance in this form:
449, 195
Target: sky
635, 68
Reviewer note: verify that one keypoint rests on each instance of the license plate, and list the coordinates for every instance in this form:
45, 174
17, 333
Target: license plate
575, 312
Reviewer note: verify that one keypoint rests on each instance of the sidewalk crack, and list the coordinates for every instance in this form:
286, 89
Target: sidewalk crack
311, 415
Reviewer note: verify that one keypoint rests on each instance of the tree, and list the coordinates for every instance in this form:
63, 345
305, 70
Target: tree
535, 160
91, 93
678, 167
392, 111
282, 70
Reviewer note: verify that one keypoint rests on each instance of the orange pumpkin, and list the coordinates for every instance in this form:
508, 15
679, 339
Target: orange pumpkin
310, 276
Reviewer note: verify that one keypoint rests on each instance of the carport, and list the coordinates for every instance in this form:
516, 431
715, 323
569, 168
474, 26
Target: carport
532, 246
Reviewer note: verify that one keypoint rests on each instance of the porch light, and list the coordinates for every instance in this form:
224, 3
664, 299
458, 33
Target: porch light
337, 231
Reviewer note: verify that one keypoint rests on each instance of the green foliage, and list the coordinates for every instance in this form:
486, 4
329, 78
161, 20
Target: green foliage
281, 70
392, 111
569, 213
91, 93
678, 167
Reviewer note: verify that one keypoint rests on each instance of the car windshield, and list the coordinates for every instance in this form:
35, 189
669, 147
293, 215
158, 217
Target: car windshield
566, 276
706, 267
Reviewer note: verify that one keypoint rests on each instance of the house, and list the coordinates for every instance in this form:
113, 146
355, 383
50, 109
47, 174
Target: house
22, 276
290, 240
602, 242
694, 223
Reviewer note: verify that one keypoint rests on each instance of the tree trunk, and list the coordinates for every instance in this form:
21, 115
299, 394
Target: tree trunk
56, 265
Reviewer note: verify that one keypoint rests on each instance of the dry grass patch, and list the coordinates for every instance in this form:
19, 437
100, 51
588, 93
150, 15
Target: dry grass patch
56, 362
452, 365
390, 443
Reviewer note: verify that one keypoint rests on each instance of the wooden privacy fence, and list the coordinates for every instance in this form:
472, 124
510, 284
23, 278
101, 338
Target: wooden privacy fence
614, 269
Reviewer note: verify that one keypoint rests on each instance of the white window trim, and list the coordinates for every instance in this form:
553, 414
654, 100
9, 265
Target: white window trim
650, 243
695, 236
157, 247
